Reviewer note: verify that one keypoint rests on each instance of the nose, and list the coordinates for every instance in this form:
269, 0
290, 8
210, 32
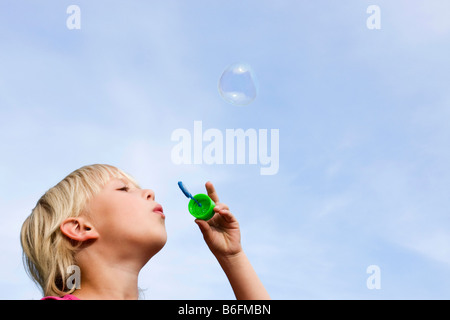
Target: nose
148, 194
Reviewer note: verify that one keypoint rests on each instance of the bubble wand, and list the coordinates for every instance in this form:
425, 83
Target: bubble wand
187, 193
200, 206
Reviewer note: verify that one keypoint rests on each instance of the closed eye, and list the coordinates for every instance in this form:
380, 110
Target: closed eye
124, 189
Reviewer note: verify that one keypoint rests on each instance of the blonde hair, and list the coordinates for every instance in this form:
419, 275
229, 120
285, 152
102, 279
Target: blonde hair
47, 252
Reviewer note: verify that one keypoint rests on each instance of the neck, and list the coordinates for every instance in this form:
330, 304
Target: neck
108, 281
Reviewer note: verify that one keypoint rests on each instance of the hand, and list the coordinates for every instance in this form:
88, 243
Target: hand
221, 232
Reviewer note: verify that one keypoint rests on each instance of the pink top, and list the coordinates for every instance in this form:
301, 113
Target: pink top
66, 297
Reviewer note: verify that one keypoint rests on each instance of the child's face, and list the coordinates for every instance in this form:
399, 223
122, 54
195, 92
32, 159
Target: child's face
128, 220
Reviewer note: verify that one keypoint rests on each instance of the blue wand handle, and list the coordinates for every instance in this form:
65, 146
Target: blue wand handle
187, 193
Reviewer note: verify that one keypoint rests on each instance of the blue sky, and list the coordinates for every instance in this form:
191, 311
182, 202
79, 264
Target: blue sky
362, 114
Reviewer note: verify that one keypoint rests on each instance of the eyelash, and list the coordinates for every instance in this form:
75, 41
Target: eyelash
124, 189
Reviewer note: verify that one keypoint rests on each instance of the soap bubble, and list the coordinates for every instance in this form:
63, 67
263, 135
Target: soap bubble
237, 85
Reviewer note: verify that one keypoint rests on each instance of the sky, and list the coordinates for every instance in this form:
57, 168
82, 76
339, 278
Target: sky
362, 116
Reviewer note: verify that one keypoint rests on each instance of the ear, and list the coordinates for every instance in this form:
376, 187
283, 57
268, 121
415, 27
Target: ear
78, 229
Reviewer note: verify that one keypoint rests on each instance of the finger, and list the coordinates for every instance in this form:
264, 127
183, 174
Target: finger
220, 206
227, 215
212, 192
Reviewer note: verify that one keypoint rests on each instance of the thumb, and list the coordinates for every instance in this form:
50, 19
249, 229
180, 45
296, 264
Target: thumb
203, 225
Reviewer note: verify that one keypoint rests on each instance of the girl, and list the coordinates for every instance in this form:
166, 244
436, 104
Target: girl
99, 220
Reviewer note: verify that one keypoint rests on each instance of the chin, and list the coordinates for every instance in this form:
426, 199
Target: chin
162, 240
155, 244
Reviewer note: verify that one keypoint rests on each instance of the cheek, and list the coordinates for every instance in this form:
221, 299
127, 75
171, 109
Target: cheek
114, 219
137, 227
147, 237
130, 225
150, 229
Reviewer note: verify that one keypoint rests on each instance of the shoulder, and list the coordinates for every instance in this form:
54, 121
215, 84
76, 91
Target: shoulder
66, 297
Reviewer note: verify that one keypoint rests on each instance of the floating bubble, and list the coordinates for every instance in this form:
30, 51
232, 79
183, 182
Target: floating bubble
237, 85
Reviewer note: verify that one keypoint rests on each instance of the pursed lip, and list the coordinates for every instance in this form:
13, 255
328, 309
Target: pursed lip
159, 209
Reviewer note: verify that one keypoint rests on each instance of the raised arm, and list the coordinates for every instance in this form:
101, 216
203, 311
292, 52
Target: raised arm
223, 237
